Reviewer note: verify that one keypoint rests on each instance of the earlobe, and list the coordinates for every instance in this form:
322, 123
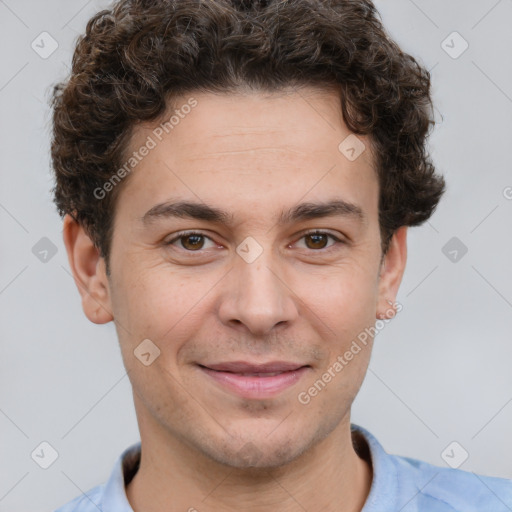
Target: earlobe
89, 273
391, 273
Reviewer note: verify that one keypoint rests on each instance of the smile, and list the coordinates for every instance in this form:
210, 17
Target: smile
264, 381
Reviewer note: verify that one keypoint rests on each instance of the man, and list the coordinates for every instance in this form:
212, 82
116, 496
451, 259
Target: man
236, 180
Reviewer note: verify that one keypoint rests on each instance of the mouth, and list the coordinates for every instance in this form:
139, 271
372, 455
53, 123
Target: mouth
255, 381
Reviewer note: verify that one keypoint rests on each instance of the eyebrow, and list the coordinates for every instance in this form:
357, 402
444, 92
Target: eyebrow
301, 212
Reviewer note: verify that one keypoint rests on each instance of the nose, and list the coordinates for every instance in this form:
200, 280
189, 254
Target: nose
257, 298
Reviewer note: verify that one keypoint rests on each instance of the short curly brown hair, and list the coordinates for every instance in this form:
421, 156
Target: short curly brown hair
135, 57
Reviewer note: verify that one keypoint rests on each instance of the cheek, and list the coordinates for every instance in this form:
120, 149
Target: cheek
344, 299
153, 302
347, 315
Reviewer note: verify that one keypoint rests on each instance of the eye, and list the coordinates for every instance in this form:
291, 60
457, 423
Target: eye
317, 240
190, 241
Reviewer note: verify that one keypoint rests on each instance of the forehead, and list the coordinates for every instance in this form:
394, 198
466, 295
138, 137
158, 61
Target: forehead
246, 146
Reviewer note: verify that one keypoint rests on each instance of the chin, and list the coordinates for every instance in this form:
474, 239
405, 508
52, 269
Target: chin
257, 452
261, 443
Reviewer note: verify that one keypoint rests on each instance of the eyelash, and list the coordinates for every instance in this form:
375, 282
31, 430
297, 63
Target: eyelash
338, 241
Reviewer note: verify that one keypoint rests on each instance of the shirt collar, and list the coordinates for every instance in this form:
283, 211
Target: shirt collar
384, 486
114, 495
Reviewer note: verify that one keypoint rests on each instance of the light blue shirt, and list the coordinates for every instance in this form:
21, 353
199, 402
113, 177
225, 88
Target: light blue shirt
400, 484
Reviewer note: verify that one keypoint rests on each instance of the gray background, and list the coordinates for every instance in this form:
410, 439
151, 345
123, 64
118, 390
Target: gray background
440, 372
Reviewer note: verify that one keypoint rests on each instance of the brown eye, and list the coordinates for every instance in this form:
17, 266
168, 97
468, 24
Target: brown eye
192, 242
318, 240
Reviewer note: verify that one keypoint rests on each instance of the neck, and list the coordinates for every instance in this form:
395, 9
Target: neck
330, 477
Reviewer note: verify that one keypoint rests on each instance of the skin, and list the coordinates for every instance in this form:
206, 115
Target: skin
306, 300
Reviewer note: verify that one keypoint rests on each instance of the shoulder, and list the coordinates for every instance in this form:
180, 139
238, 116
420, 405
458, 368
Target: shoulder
88, 502
441, 489
413, 485
111, 494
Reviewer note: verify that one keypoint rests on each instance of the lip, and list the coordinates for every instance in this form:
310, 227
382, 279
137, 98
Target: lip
246, 367
233, 377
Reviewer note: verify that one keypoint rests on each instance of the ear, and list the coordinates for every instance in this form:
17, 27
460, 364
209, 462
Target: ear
391, 273
89, 272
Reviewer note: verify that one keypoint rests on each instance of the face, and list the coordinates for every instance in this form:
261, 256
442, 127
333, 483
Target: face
250, 293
